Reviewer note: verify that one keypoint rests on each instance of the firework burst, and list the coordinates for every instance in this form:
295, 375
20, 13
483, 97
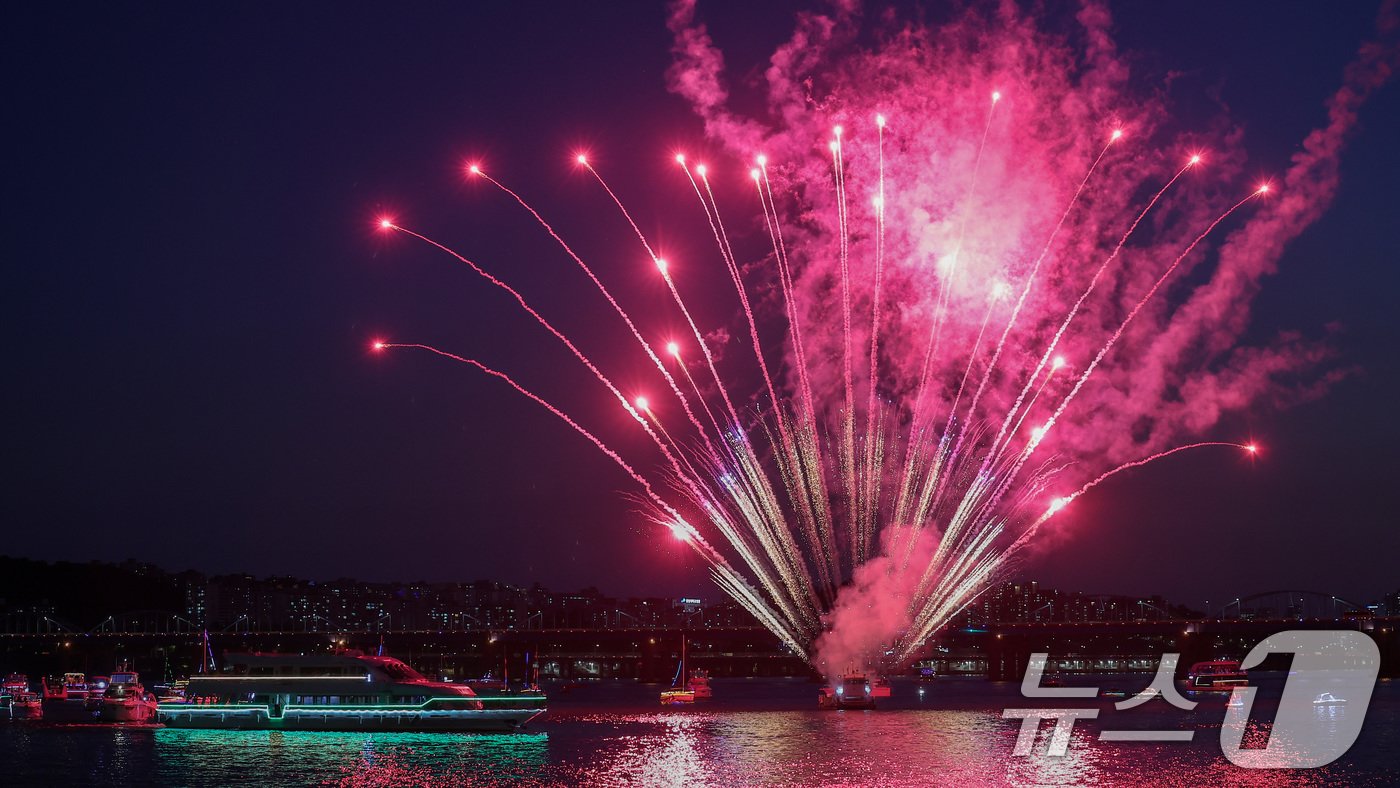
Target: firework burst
954, 265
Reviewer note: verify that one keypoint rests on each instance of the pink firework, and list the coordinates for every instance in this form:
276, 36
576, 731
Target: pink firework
979, 243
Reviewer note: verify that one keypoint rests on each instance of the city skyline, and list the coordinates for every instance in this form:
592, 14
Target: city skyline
241, 601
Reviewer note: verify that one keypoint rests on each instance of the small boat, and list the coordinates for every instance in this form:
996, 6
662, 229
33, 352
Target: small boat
851, 691
1328, 699
66, 698
1114, 692
677, 697
699, 683
880, 688
126, 700
679, 694
14, 684
1221, 675
26, 706
17, 702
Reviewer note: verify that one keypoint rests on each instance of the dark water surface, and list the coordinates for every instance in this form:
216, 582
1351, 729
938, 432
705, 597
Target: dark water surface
756, 732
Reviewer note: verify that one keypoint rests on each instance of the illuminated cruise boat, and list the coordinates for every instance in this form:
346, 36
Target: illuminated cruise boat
1221, 675
334, 692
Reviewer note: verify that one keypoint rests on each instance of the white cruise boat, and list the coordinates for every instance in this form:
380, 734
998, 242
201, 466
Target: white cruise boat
344, 691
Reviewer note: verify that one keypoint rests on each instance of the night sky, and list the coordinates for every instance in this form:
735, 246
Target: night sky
193, 278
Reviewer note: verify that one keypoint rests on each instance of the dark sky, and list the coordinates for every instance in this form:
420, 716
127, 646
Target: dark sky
192, 279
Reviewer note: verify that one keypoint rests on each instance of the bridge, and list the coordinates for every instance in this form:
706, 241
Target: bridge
998, 652
1287, 603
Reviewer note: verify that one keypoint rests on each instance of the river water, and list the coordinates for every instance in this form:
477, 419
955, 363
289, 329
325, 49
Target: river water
755, 732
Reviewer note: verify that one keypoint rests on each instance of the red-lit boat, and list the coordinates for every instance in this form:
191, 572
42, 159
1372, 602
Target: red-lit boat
14, 684
1221, 675
18, 701
126, 700
66, 700
26, 706
699, 684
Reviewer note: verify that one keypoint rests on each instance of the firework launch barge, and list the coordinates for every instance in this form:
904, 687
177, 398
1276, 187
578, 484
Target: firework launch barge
339, 692
854, 690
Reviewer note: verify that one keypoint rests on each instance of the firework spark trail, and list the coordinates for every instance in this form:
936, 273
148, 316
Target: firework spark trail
713, 218
1060, 503
1038, 435
694, 537
644, 407
810, 473
734, 421
848, 416
954, 430
786, 280
579, 354
759, 506
997, 491
719, 431
731, 263
871, 496
685, 405
693, 484
672, 459
1056, 366
792, 474
945, 287
1011, 321
1030, 278
1117, 334
1084, 296
476, 170
764, 518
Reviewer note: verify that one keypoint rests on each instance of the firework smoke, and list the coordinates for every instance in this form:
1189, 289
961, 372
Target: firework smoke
1003, 282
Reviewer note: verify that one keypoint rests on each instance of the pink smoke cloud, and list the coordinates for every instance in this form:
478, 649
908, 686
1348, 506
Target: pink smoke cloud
975, 190
1180, 367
